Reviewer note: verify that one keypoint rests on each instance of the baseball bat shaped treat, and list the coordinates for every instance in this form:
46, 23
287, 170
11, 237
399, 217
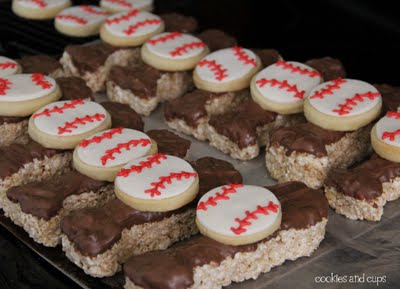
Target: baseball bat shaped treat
245, 231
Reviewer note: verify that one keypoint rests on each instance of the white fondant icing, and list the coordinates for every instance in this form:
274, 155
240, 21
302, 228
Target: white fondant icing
387, 127
125, 5
83, 15
42, 4
280, 84
223, 217
116, 147
343, 97
56, 123
136, 183
22, 87
7, 66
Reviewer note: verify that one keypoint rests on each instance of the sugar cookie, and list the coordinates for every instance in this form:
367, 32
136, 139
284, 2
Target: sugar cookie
343, 104
238, 214
64, 124
173, 51
385, 136
39, 9
229, 69
102, 155
8, 66
157, 183
115, 6
281, 87
80, 21
23, 94
131, 28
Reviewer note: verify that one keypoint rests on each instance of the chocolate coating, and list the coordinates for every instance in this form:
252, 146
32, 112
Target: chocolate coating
39, 64
330, 68
217, 39
11, 119
169, 143
173, 268
364, 182
44, 199
93, 231
240, 126
267, 56
122, 115
73, 87
305, 138
14, 157
390, 97
141, 80
179, 23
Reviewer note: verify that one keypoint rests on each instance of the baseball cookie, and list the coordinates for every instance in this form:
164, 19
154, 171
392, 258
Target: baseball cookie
39, 9
281, 87
173, 51
80, 21
343, 104
157, 183
23, 94
385, 136
115, 6
130, 28
238, 214
8, 66
64, 124
229, 69
103, 154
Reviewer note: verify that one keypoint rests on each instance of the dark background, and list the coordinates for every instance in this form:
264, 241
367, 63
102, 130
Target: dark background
365, 35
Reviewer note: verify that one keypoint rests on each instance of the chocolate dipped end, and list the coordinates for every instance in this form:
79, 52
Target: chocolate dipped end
175, 22
330, 68
73, 87
390, 97
217, 39
11, 119
39, 64
267, 56
169, 143
122, 115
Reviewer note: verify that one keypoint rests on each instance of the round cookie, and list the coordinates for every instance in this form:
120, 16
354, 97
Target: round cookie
229, 69
64, 124
80, 21
115, 6
157, 183
385, 136
131, 28
238, 214
22, 94
8, 66
39, 9
282, 86
103, 154
343, 104
173, 51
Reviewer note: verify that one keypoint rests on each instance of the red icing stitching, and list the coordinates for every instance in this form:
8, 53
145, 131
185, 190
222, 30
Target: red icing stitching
39, 80
391, 135
4, 85
155, 190
328, 90
69, 126
241, 55
39, 3
165, 38
393, 114
99, 138
132, 29
72, 18
120, 3
351, 102
109, 155
212, 201
186, 47
282, 85
152, 160
297, 69
56, 109
91, 10
219, 72
246, 221
6, 65
124, 17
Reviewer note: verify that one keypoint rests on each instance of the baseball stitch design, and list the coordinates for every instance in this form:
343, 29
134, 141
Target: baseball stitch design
39, 3
4, 85
165, 38
178, 51
281, 85
328, 90
98, 139
219, 72
152, 160
156, 186
92, 11
132, 28
109, 155
348, 106
297, 69
212, 201
6, 65
392, 135
120, 3
69, 126
67, 105
246, 221
39, 80
72, 18
242, 56
125, 17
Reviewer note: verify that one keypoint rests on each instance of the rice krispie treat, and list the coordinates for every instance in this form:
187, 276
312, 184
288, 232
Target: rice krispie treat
217, 39
92, 62
100, 240
115, 6
8, 66
176, 22
73, 87
44, 64
202, 262
330, 68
